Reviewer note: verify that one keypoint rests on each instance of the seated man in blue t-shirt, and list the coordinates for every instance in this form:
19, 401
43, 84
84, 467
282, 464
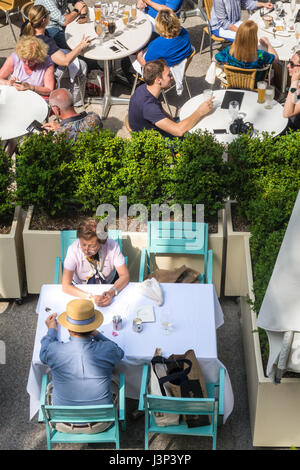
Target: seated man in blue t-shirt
152, 8
145, 109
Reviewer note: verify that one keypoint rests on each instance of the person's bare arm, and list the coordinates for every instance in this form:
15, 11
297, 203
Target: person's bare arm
178, 129
270, 49
290, 107
120, 283
60, 58
49, 84
68, 287
6, 70
156, 6
69, 17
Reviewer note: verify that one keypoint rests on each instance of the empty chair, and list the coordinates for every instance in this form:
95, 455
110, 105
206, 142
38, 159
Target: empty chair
188, 238
83, 414
212, 406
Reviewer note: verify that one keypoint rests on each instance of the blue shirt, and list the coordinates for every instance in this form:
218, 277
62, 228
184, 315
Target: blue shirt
173, 50
175, 5
145, 110
81, 368
227, 12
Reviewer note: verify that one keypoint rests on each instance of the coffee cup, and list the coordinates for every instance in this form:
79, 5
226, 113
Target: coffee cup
268, 20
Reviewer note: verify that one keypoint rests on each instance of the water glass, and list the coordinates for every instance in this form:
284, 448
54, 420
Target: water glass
234, 107
207, 94
269, 96
165, 321
115, 6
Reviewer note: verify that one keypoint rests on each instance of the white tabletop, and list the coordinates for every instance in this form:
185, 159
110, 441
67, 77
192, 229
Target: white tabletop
17, 111
133, 38
267, 120
287, 39
195, 311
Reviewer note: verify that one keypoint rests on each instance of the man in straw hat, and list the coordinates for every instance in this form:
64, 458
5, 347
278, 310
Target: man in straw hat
81, 368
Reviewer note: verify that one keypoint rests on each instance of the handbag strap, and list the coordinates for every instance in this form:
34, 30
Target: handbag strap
174, 375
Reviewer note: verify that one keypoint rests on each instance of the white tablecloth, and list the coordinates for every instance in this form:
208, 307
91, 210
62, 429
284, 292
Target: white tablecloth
195, 311
268, 120
17, 111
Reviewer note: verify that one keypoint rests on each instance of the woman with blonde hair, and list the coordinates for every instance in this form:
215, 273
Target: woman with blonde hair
244, 52
173, 43
29, 67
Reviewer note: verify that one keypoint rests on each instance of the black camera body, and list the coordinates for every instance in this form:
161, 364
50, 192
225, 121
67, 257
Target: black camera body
240, 127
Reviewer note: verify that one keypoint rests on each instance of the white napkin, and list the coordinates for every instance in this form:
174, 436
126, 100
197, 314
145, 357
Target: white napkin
210, 76
178, 74
151, 288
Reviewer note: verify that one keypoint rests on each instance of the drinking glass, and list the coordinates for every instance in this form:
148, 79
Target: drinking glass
261, 88
207, 94
293, 6
115, 6
269, 96
97, 11
133, 11
165, 321
100, 31
297, 31
125, 18
111, 24
233, 109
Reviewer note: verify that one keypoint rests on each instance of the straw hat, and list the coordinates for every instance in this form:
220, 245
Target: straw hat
80, 316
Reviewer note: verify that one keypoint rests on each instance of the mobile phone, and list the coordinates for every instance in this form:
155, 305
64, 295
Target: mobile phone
220, 131
18, 82
114, 48
35, 125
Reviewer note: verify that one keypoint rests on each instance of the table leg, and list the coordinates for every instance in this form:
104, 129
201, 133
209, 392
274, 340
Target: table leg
284, 78
108, 100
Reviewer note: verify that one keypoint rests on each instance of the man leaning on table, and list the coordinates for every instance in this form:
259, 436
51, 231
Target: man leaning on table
291, 108
61, 16
145, 109
226, 16
81, 368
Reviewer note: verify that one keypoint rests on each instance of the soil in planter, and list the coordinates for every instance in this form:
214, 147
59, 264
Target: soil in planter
239, 223
6, 223
45, 222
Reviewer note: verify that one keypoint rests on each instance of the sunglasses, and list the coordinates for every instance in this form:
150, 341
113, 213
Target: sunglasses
291, 63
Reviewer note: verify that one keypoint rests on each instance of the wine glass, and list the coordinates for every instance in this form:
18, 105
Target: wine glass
233, 109
165, 321
115, 6
125, 18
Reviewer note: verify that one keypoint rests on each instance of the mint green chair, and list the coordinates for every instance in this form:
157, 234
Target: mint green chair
188, 238
67, 237
84, 414
212, 406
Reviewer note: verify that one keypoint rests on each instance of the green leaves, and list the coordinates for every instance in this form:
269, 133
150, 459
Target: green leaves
6, 179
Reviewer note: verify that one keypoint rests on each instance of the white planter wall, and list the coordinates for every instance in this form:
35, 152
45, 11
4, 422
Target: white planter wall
274, 409
42, 248
12, 265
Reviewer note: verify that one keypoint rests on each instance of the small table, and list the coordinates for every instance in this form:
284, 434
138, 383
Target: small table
287, 39
263, 120
196, 313
17, 111
133, 39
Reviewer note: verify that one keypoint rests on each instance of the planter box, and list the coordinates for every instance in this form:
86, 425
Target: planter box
235, 272
274, 409
42, 247
12, 265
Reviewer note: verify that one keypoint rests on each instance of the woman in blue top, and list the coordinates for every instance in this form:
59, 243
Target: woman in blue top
173, 43
244, 53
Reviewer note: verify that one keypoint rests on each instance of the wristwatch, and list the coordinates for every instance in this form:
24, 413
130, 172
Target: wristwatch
115, 290
292, 90
75, 9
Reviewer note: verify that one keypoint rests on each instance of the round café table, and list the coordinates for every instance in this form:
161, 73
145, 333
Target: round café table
17, 111
286, 39
127, 41
263, 120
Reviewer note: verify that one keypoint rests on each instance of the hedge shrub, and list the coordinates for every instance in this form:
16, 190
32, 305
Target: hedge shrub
6, 179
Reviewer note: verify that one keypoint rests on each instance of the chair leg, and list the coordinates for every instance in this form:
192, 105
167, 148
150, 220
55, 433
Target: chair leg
202, 41
166, 102
134, 84
187, 87
9, 22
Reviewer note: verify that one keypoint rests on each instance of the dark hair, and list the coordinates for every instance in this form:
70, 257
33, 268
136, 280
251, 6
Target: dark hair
88, 229
152, 70
86, 333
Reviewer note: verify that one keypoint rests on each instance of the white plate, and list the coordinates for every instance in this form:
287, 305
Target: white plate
275, 43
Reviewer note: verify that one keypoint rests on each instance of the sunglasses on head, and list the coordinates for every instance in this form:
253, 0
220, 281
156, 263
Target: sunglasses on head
291, 63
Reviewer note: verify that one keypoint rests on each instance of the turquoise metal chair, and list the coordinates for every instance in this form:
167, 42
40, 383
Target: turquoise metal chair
212, 406
67, 237
83, 414
189, 238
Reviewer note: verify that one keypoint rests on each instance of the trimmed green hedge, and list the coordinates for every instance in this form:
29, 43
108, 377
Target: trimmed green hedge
6, 179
